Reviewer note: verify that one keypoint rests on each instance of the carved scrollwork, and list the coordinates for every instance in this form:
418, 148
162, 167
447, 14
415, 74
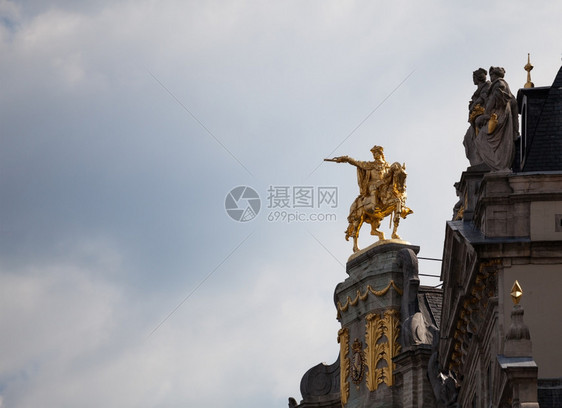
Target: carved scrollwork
382, 338
472, 312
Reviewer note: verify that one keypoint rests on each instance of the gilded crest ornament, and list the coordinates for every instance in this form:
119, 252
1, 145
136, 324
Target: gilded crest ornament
516, 292
357, 362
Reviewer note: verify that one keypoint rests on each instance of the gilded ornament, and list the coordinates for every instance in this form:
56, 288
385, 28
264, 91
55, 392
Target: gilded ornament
357, 362
492, 123
516, 293
528, 67
382, 344
343, 339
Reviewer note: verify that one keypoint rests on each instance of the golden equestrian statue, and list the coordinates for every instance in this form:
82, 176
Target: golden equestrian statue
382, 192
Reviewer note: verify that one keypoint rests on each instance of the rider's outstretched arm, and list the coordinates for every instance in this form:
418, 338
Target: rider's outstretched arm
346, 159
352, 161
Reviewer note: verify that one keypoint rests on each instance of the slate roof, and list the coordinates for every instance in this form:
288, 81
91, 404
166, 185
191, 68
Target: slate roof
550, 393
544, 127
431, 302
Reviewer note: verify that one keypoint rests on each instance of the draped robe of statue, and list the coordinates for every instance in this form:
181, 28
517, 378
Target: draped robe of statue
495, 140
477, 101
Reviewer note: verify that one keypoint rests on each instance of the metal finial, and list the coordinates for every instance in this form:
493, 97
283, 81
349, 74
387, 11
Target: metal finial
528, 67
516, 292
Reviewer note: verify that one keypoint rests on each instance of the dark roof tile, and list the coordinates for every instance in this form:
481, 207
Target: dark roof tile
431, 299
545, 150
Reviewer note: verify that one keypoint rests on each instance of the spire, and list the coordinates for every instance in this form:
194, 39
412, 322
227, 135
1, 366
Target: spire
516, 292
528, 67
518, 338
517, 359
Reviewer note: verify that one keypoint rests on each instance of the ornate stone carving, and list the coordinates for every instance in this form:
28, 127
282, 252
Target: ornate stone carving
471, 314
357, 362
381, 336
382, 192
321, 383
363, 297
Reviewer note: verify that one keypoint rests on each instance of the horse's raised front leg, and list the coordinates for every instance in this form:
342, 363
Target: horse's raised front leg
349, 231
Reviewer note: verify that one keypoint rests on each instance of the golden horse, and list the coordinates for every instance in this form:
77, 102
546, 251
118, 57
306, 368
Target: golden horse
389, 198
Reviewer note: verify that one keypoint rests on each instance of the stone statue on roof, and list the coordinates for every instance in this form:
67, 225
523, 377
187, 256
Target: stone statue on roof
475, 109
494, 125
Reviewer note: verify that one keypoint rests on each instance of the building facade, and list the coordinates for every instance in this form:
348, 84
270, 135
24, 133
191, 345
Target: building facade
478, 342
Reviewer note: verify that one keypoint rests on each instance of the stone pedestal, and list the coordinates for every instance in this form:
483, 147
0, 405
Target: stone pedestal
467, 190
518, 364
521, 374
368, 304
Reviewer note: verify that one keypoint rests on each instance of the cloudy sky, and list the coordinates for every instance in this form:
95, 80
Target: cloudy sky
125, 124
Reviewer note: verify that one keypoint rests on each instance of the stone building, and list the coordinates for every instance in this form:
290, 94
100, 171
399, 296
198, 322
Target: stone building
381, 364
467, 345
